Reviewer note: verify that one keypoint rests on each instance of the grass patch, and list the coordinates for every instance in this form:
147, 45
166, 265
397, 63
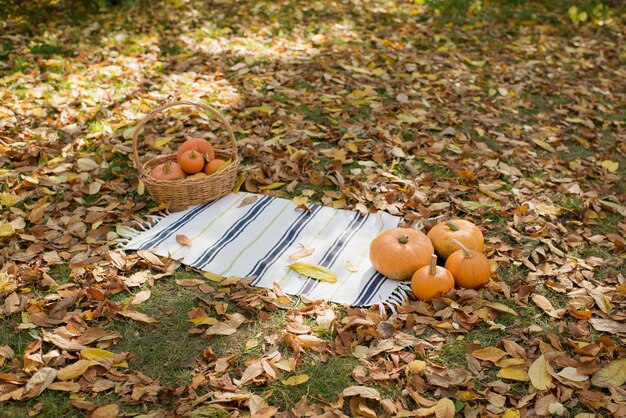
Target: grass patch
55, 405
161, 349
61, 273
326, 381
17, 340
453, 351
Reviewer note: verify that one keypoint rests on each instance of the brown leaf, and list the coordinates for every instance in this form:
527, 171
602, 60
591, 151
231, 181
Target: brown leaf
141, 297
362, 391
39, 382
183, 240
608, 325
445, 408
61, 342
301, 253
106, 411
137, 316
11, 304
248, 200
492, 354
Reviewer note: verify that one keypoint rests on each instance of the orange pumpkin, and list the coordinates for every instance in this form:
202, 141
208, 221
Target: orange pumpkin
200, 145
168, 170
464, 231
431, 281
397, 253
469, 268
213, 166
191, 162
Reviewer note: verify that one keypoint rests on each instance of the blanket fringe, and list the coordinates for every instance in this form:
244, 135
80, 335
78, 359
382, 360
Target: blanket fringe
395, 300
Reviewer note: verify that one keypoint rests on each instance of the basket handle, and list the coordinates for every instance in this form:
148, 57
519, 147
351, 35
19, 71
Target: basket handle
154, 112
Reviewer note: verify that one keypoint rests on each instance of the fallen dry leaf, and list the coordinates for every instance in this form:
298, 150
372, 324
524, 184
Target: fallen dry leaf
183, 240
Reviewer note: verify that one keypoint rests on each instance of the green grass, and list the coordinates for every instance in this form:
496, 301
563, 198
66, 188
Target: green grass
60, 273
55, 405
161, 348
320, 384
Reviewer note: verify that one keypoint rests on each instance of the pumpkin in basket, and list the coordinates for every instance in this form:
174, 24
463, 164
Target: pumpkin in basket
397, 253
214, 166
200, 145
168, 170
191, 161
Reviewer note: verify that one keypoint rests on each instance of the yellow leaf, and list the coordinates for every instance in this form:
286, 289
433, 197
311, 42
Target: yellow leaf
612, 166
7, 199
6, 230
467, 395
204, 320
513, 374
511, 413
613, 374
417, 366
92, 353
162, 141
483, 189
508, 362
262, 109
141, 188
239, 182
224, 165
295, 380
544, 209
212, 276
300, 200
539, 375
314, 271
544, 145
272, 186
74, 370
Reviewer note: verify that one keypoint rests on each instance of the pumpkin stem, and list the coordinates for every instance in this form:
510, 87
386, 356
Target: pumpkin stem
468, 253
452, 226
433, 265
167, 167
403, 239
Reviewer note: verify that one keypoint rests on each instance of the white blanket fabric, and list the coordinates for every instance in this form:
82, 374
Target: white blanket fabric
256, 239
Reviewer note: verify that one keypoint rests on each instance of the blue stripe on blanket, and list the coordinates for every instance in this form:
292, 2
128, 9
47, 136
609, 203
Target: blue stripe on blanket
175, 226
285, 242
233, 232
331, 254
370, 289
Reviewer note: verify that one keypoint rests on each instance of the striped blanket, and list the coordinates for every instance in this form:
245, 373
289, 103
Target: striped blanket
248, 235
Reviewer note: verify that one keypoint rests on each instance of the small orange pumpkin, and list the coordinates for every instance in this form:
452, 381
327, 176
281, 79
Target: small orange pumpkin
469, 268
213, 166
168, 170
431, 281
397, 253
200, 145
191, 162
464, 231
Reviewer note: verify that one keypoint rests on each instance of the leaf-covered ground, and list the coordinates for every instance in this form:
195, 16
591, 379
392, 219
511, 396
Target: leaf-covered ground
513, 117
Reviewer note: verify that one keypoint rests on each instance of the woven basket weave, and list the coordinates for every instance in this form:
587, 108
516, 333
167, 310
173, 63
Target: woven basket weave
180, 194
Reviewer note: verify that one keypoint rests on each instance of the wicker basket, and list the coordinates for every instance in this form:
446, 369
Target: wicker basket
180, 194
